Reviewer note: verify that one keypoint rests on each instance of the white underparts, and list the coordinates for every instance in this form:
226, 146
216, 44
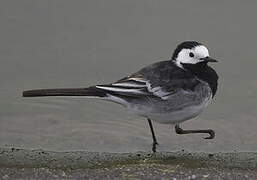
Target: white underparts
116, 99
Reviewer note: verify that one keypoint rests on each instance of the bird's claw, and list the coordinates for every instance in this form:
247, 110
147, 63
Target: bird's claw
212, 134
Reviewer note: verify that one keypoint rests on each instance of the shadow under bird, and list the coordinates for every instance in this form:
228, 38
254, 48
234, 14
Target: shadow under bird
169, 92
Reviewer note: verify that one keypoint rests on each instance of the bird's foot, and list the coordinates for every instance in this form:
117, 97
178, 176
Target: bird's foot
155, 143
205, 131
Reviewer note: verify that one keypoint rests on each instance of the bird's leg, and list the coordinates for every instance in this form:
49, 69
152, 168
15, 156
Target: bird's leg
207, 131
153, 135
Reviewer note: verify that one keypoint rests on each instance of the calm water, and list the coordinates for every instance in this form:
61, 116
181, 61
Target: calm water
48, 44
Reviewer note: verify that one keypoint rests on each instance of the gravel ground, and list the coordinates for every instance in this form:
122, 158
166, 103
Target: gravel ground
38, 164
138, 171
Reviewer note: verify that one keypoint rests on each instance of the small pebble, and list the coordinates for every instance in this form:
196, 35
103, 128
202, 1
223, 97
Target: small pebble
205, 176
5, 176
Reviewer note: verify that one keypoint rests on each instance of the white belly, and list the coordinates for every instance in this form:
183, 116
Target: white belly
175, 117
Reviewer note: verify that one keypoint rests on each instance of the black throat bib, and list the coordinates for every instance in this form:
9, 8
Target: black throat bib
204, 73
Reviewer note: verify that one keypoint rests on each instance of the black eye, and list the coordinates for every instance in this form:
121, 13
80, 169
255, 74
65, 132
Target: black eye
191, 54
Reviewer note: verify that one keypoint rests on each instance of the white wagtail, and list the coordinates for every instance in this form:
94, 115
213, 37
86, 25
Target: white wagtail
168, 92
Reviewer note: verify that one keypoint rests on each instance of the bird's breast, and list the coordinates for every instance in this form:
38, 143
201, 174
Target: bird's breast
178, 107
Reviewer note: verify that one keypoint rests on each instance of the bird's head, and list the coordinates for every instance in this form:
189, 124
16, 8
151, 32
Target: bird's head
191, 53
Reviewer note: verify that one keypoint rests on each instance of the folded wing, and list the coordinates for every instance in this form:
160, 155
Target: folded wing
135, 85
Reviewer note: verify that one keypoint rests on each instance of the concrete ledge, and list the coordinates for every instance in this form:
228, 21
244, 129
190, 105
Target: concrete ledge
79, 160
40, 164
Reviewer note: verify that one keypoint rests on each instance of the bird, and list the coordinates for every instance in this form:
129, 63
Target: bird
168, 92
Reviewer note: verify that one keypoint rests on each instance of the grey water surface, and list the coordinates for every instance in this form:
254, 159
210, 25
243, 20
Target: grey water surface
62, 43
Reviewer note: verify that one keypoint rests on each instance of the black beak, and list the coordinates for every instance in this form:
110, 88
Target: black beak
209, 59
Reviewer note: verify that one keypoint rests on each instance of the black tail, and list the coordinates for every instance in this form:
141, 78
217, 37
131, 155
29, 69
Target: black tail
90, 91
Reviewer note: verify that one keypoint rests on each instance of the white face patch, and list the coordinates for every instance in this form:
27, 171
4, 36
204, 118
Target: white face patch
192, 56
